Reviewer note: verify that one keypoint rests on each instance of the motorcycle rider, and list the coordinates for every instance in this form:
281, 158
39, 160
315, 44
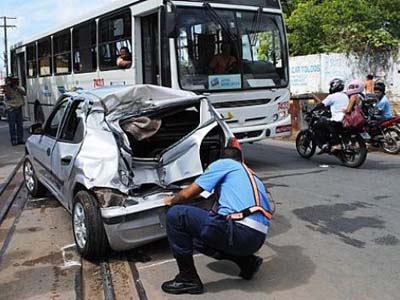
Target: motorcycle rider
383, 106
326, 129
355, 91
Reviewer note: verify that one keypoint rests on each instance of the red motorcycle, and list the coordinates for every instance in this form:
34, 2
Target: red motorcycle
384, 134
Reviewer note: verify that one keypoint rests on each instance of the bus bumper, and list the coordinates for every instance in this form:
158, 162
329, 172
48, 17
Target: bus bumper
256, 133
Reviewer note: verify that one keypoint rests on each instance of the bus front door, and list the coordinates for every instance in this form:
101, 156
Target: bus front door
150, 49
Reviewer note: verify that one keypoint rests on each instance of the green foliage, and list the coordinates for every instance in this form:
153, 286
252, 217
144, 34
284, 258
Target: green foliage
366, 28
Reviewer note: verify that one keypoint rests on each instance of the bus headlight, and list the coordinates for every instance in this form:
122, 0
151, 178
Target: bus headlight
275, 117
282, 114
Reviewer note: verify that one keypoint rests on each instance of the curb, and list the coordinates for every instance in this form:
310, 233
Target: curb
11, 176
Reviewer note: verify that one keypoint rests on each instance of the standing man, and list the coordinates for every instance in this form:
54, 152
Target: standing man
235, 231
14, 96
369, 84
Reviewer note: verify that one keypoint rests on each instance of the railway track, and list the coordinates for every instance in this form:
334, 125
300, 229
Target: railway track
11, 207
116, 278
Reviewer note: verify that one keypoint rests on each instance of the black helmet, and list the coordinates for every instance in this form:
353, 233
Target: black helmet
380, 86
336, 85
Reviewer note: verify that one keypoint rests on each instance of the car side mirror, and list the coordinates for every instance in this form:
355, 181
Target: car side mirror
36, 129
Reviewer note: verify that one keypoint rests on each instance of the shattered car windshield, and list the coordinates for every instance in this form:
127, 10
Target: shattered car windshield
226, 50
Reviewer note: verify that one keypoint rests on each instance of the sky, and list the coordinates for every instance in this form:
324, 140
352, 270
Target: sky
36, 16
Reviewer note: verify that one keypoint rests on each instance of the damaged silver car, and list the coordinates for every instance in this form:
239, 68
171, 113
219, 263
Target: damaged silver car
111, 155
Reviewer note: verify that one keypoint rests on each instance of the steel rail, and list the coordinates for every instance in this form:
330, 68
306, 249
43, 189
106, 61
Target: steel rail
6, 202
4, 211
107, 281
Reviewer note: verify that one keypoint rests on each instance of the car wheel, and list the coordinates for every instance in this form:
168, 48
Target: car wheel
90, 237
33, 185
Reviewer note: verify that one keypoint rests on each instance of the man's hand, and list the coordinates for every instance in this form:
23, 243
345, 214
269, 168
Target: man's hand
168, 200
184, 195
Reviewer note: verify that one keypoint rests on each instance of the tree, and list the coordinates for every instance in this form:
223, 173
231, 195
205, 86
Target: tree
368, 29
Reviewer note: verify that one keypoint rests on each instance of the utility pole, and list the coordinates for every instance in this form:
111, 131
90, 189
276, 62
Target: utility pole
5, 26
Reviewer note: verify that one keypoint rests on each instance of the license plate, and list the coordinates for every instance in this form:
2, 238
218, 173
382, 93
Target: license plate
365, 135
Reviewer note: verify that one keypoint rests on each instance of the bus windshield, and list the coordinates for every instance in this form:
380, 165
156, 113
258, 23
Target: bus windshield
220, 49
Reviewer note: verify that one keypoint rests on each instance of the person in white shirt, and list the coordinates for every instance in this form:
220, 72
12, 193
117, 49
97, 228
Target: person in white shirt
337, 101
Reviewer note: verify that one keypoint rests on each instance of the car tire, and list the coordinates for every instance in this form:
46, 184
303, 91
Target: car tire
32, 183
89, 234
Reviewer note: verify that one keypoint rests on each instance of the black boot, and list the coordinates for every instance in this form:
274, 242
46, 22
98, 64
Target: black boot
187, 281
249, 265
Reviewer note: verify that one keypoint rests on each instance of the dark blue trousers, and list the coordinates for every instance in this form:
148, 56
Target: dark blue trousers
15, 124
191, 228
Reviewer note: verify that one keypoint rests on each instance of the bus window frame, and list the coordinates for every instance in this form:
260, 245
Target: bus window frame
55, 36
50, 55
33, 60
94, 46
100, 43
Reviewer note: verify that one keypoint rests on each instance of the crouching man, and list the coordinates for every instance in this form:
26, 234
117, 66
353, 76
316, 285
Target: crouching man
235, 231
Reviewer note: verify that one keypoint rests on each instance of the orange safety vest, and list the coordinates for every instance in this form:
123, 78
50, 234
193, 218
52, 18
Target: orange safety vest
255, 208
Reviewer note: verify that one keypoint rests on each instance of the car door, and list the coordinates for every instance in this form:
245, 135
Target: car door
66, 148
43, 148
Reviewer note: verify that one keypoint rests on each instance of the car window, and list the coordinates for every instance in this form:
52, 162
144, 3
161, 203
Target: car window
54, 121
73, 129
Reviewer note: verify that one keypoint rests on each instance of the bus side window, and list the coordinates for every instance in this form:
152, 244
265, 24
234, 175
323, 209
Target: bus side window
115, 32
84, 47
31, 64
44, 57
62, 52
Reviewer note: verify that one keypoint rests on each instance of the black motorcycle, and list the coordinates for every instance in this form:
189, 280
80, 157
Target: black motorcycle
353, 152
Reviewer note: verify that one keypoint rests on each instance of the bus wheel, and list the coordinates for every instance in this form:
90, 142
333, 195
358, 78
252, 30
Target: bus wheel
38, 113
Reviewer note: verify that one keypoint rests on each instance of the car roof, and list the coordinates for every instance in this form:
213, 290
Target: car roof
141, 96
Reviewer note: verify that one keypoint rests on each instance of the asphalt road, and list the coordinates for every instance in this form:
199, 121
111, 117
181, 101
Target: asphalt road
335, 235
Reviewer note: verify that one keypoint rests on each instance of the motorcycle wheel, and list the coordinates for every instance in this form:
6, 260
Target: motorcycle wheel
355, 152
305, 144
391, 143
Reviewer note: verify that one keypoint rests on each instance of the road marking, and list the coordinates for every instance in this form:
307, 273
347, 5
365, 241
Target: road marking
163, 262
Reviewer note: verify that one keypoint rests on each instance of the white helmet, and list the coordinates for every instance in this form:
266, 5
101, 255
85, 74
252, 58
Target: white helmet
355, 87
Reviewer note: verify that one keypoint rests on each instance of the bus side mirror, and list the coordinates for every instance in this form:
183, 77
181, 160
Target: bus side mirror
36, 129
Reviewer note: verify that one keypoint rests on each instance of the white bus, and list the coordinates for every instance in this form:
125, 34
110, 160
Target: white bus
173, 44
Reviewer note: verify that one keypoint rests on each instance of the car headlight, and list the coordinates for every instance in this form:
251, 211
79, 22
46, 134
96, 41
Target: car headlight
109, 197
124, 177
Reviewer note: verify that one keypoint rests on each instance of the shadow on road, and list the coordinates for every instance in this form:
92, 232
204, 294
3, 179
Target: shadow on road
287, 269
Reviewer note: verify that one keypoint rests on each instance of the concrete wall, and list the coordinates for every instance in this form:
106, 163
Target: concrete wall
312, 73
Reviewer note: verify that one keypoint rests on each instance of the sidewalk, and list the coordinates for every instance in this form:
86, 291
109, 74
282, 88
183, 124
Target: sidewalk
9, 155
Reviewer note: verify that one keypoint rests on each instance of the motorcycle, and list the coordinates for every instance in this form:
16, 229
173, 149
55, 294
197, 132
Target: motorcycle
353, 152
384, 134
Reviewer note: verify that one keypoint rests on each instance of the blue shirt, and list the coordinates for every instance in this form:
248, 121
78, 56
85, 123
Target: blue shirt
384, 106
233, 186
